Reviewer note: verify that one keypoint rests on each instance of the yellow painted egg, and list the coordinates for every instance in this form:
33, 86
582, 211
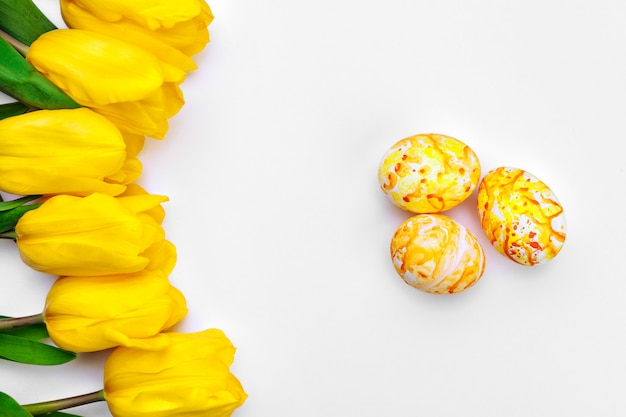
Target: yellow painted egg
428, 173
435, 254
521, 216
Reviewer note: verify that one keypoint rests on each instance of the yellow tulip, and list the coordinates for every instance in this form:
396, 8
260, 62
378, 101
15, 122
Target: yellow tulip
124, 82
172, 30
87, 314
61, 152
190, 377
93, 235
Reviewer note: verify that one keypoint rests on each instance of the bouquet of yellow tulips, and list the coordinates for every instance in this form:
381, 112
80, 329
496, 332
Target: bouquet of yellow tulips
69, 153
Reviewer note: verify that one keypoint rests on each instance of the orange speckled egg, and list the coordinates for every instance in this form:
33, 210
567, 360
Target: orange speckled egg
435, 254
521, 216
428, 173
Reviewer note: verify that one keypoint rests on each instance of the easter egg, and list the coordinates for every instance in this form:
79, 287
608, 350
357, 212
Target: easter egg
435, 254
521, 216
428, 173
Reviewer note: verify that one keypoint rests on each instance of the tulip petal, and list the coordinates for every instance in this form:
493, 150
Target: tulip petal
94, 68
162, 257
141, 117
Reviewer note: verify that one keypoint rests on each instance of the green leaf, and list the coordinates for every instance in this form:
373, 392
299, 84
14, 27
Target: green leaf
12, 109
23, 350
10, 408
9, 218
23, 20
8, 205
20, 80
33, 332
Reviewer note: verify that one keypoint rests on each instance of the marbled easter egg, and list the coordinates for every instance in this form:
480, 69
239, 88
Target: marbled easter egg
428, 173
435, 254
521, 216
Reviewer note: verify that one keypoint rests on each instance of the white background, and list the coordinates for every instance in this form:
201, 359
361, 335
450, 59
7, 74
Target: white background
283, 234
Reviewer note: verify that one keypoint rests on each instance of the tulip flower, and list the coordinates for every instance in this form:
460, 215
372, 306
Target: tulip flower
86, 314
125, 83
173, 31
94, 235
76, 152
189, 377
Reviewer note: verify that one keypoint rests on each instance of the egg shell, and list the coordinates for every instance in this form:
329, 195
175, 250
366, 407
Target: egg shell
521, 216
435, 254
428, 173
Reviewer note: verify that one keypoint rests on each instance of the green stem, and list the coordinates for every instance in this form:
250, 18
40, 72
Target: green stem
56, 405
9, 235
21, 48
13, 322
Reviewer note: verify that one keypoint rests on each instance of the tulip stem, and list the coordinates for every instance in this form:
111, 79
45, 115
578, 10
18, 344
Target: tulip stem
13, 322
9, 235
56, 405
19, 46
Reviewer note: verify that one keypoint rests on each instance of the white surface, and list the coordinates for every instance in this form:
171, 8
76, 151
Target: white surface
283, 234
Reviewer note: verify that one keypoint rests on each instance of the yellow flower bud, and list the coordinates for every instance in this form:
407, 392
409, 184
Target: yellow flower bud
93, 235
190, 377
76, 152
86, 314
173, 31
126, 83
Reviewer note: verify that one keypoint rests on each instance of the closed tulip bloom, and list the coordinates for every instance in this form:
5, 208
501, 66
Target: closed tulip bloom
87, 314
124, 82
75, 152
190, 377
93, 235
172, 30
